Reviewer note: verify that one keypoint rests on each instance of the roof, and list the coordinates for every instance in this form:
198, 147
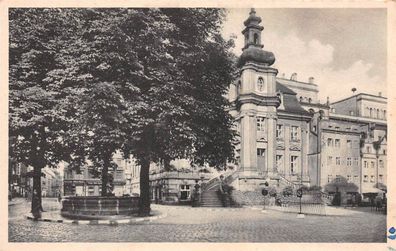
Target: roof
283, 89
290, 102
359, 94
285, 80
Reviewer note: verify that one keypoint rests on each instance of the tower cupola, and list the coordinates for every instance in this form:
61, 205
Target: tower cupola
253, 49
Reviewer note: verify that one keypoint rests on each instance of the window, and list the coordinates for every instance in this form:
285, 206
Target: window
260, 84
314, 128
294, 133
372, 179
355, 161
261, 124
381, 163
337, 143
349, 178
329, 178
293, 164
372, 164
368, 149
349, 143
349, 161
279, 131
384, 152
279, 161
329, 160
261, 152
371, 112
365, 164
91, 190
385, 114
381, 178
329, 142
338, 161
256, 39
356, 179
184, 192
338, 178
365, 178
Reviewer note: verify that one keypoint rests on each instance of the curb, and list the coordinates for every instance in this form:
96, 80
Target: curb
100, 222
212, 209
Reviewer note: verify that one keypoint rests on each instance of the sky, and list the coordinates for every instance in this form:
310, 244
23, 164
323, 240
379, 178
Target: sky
341, 48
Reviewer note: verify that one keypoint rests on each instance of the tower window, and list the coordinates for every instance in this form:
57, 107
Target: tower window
255, 37
260, 84
260, 124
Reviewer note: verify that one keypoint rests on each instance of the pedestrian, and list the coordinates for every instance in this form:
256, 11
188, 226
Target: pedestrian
196, 194
353, 199
378, 202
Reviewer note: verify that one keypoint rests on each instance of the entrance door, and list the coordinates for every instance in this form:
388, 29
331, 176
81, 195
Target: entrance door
260, 159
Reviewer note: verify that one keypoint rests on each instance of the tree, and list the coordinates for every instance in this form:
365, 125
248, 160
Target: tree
340, 185
36, 117
184, 115
149, 82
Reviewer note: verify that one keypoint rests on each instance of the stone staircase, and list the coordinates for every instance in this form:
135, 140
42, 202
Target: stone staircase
209, 194
210, 198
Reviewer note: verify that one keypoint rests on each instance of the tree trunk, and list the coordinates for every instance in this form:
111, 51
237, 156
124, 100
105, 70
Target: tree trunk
144, 207
36, 193
105, 178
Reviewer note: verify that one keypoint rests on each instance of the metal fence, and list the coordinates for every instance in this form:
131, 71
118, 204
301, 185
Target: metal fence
311, 203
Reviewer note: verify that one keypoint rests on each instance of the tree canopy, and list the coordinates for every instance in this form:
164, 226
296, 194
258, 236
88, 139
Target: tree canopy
148, 82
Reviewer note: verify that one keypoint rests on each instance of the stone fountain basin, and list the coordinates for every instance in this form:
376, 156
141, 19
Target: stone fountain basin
99, 207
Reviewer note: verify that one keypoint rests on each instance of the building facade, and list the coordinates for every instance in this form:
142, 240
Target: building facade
288, 136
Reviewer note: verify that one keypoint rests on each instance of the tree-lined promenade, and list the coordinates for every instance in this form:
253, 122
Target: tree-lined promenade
85, 83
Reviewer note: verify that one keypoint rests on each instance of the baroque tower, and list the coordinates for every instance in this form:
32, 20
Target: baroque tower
255, 107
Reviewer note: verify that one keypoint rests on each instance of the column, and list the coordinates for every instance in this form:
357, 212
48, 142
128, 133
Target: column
271, 145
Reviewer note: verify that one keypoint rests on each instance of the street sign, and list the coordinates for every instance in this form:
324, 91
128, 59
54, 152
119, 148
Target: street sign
299, 193
264, 192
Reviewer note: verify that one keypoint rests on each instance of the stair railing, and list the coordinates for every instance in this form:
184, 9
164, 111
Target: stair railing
290, 183
228, 178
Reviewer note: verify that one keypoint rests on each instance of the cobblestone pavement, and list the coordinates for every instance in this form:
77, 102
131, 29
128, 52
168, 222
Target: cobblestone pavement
185, 224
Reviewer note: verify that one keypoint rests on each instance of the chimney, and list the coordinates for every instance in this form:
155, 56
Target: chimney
311, 80
380, 94
294, 77
328, 101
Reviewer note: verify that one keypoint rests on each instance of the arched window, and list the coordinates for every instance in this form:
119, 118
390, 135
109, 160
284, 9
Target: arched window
371, 112
385, 114
378, 114
309, 100
255, 38
260, 84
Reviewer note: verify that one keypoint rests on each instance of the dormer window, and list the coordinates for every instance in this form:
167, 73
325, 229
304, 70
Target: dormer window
260, 84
